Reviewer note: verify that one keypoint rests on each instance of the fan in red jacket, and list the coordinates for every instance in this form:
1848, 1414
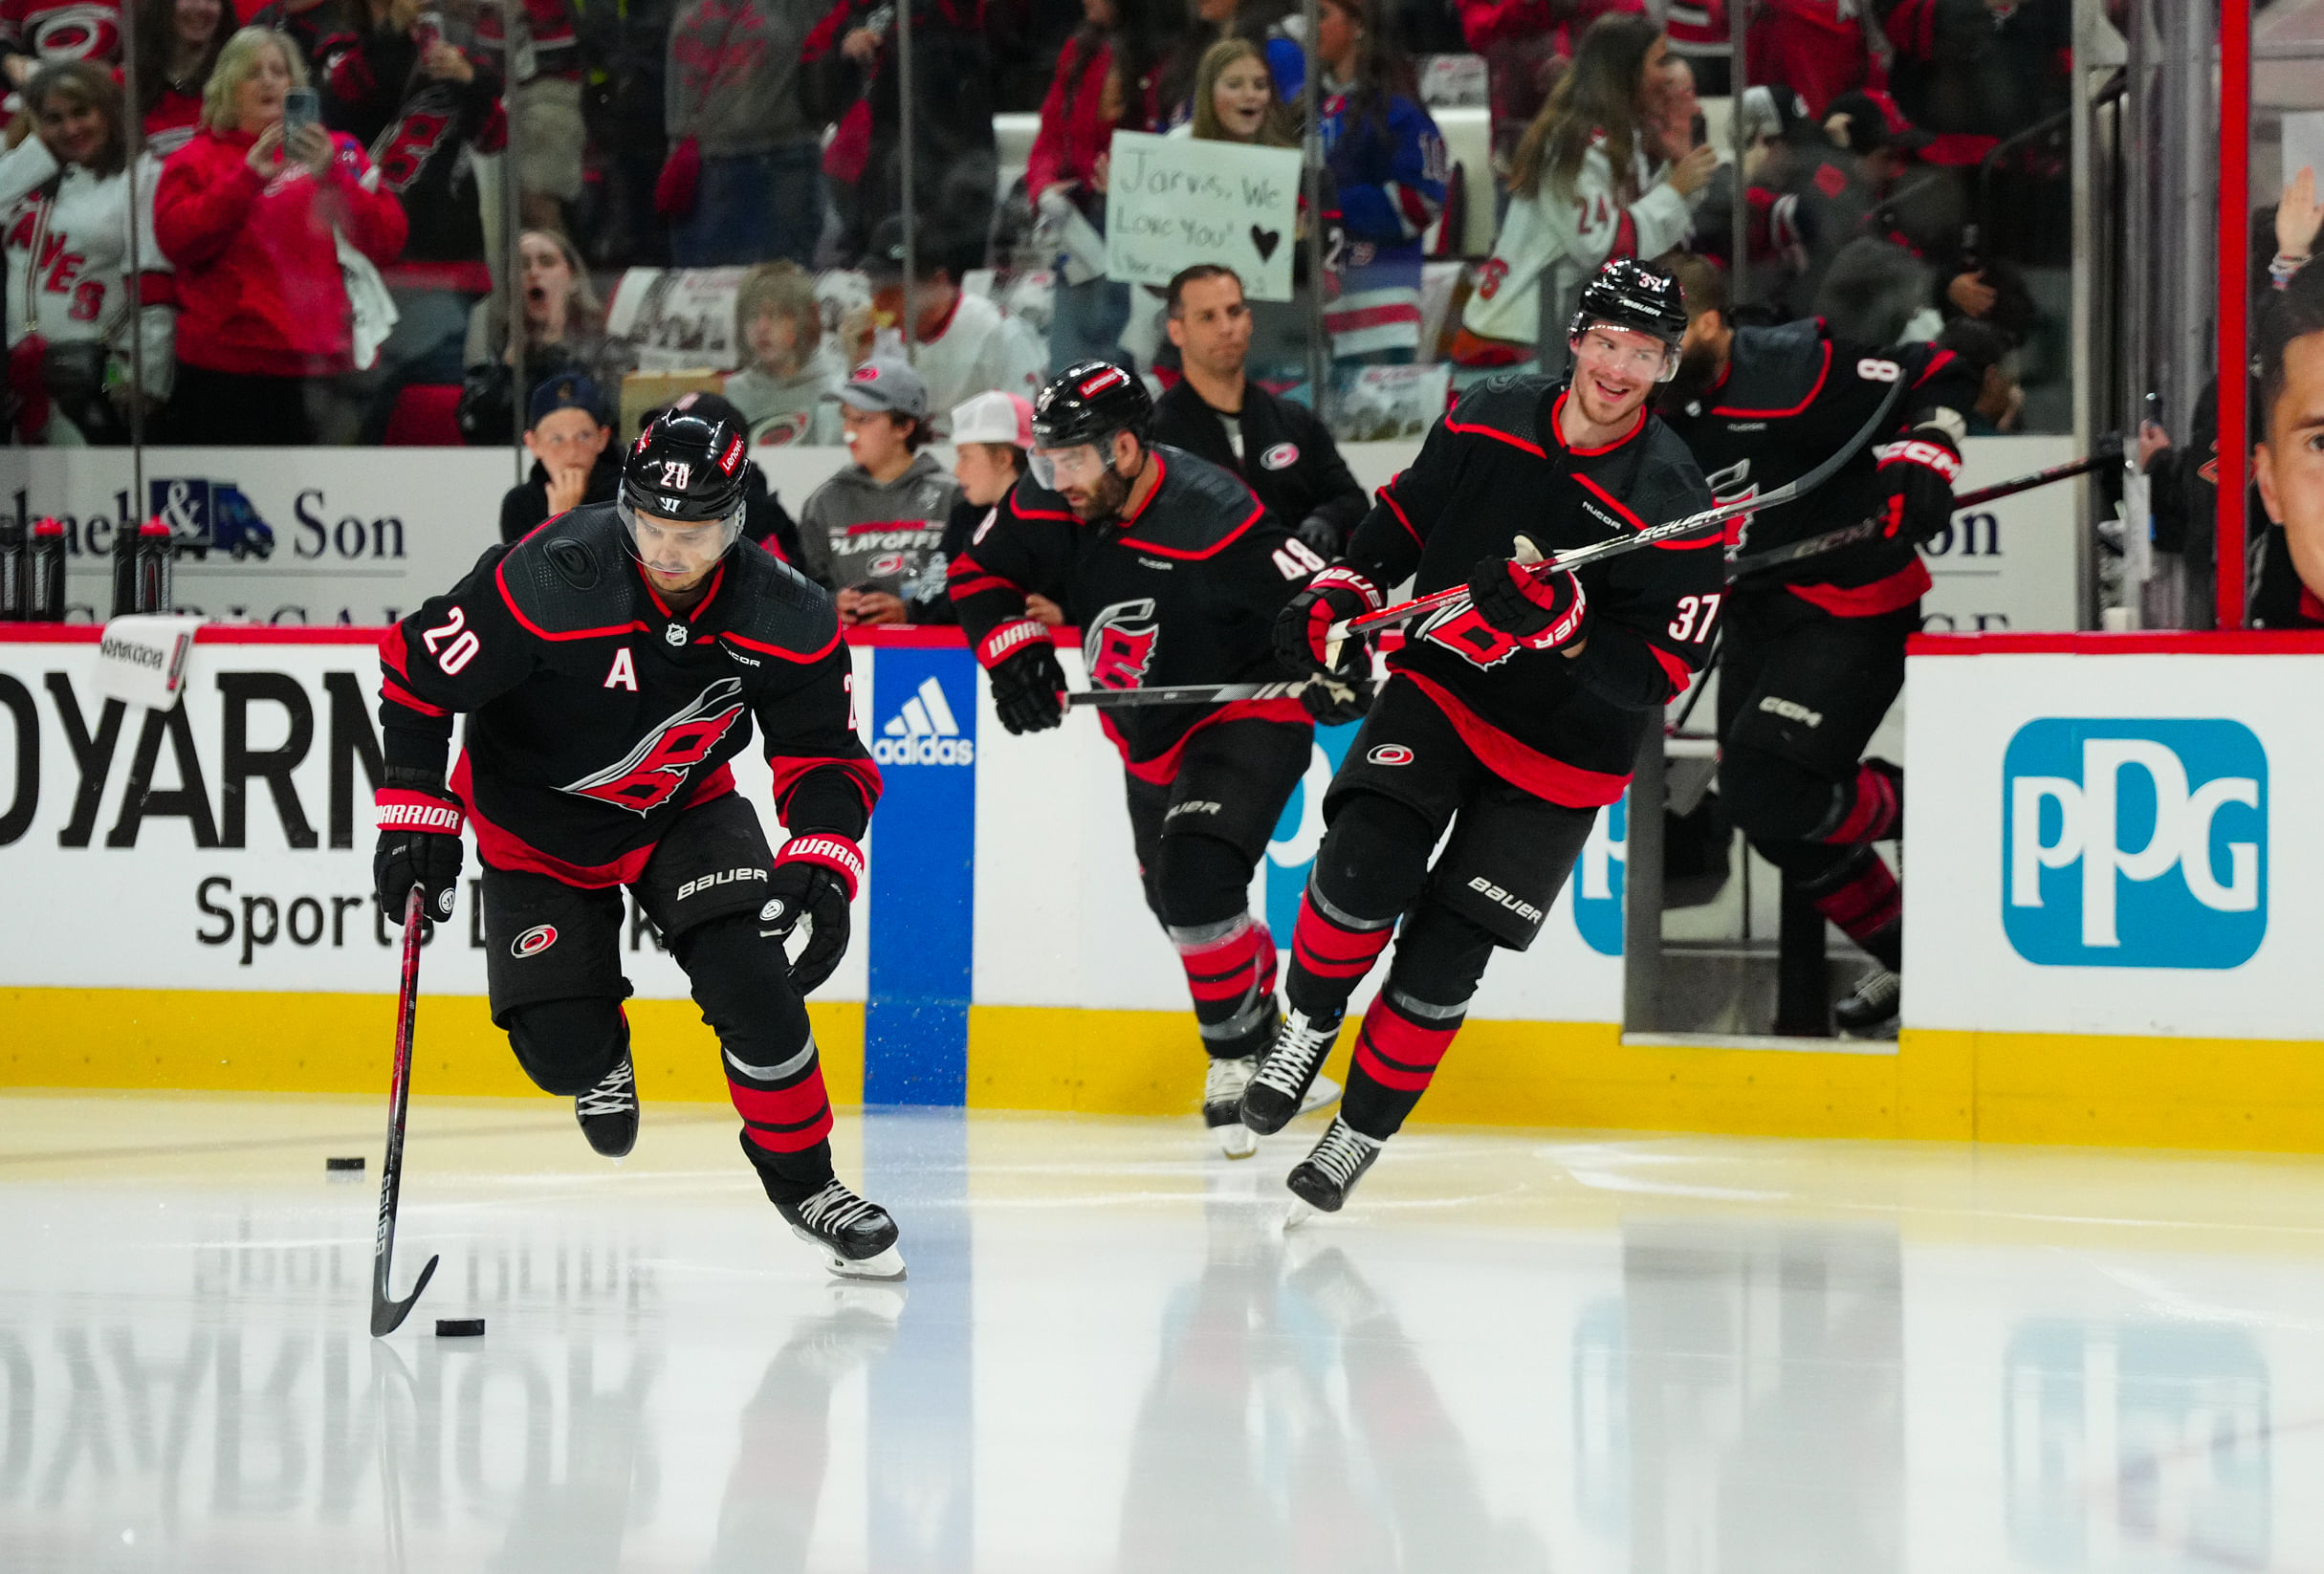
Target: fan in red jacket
247, 216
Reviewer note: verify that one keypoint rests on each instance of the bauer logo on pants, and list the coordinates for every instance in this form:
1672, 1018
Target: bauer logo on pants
2135, 844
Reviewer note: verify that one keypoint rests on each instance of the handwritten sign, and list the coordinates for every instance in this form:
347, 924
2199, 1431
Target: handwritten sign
1171, 202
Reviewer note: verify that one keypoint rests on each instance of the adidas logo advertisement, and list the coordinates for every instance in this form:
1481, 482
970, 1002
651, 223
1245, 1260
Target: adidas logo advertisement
924, 732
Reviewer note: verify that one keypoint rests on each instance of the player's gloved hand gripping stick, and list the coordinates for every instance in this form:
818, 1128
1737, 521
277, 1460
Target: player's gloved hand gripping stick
815, 878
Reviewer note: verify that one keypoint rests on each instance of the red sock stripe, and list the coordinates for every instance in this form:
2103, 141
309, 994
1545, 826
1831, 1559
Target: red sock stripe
1872, 815
783, 1119
1397, 1052
1228, 968
1325, 948
1866, 904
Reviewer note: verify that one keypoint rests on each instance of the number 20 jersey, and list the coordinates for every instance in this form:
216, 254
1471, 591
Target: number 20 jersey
597, 715
1565, 729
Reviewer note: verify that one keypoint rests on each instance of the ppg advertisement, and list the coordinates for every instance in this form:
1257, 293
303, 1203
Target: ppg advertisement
2099, 842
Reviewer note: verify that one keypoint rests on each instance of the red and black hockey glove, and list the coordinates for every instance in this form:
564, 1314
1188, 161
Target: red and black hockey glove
1918, 471
1540, 614
1303, 628
419, 844
1028, 686
815, 878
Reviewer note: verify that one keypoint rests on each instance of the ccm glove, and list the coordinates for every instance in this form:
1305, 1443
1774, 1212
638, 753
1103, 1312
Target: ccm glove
1539, 613
815, 878
419, 845
1028, 686
1302, 630
1918, 471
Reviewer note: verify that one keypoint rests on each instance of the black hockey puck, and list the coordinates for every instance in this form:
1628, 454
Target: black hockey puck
353, 1166
459, 1327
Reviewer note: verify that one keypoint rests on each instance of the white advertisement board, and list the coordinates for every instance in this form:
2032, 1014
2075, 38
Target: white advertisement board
2114, 844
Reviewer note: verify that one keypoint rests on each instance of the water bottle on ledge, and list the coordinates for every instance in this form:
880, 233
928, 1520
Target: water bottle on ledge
44, 595
125, 569
11, 569
157, 551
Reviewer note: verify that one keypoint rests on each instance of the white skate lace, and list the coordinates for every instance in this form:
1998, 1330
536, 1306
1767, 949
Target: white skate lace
833, 1209
1341, 1154
615, 1095
1881, 990
1225, 1080
1298, 1052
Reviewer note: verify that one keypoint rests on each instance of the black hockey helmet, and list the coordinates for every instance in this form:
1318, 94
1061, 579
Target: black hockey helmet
1637, 296
1091, 401
688, 464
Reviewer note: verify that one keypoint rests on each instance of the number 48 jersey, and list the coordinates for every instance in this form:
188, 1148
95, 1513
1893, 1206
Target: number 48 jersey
597, 715
1183, 591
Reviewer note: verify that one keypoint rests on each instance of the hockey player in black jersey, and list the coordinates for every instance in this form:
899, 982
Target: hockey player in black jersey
610, 664
1174, 573
1512, 715
1814, 653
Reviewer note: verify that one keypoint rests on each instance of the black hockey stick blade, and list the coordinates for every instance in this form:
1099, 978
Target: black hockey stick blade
1863, 529
1184, 693
1614, 546
386, 1314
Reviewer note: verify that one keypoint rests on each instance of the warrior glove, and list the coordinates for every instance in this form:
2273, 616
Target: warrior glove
1539, 613
815, 878
1028, 686
1918, 473
1302, 630
419, 844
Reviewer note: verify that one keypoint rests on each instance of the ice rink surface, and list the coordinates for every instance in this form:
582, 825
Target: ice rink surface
1514, 1353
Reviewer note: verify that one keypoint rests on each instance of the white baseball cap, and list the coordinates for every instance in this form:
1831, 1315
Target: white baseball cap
994, 417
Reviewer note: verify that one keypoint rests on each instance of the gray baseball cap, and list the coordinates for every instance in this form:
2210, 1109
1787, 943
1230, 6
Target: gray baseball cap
885, 382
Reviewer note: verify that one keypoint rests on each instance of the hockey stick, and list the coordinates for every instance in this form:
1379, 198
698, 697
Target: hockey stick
1831, 540
387, 1314
1198, 693
1652, 535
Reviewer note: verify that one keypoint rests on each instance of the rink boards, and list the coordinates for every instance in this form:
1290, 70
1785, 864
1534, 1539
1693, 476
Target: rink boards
189, 908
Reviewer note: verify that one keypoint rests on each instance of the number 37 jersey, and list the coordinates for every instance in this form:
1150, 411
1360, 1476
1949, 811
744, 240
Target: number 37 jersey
596, 715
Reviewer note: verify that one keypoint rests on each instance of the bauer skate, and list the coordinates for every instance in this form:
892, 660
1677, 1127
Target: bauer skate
1322, 1179
608, 1112
858, 1238
1222, 1085
1870, 1009
1283, 1084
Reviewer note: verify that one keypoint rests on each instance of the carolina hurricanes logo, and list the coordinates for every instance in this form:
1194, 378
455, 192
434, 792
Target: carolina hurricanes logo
884, 564
1119, 644
1282, 456
1460, 627
651, 774
781, 430
534, 941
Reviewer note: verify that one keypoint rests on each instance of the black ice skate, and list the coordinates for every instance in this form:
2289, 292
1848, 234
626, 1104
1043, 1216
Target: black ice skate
1871, 1010
1324, 1178
608, 1112
858, 1237
1280, 1088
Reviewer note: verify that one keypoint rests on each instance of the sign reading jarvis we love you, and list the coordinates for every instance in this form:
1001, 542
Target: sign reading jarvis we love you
1171, 202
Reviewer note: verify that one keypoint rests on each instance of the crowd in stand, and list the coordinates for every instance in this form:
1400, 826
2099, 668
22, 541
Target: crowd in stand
360, 220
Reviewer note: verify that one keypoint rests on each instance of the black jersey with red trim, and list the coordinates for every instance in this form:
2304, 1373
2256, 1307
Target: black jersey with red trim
1793, 396
1183, 591
1497, 468
596, 715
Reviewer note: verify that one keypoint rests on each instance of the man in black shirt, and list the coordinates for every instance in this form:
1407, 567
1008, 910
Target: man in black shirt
1278, 449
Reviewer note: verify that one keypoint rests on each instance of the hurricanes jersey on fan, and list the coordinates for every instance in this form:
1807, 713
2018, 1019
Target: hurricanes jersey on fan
597, 715
1185, 590
1562, 728
1793, 397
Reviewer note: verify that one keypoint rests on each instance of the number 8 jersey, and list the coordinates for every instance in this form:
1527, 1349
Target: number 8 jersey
597, 715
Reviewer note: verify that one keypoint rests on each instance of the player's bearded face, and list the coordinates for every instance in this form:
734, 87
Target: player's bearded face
678, 554
1084, 476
